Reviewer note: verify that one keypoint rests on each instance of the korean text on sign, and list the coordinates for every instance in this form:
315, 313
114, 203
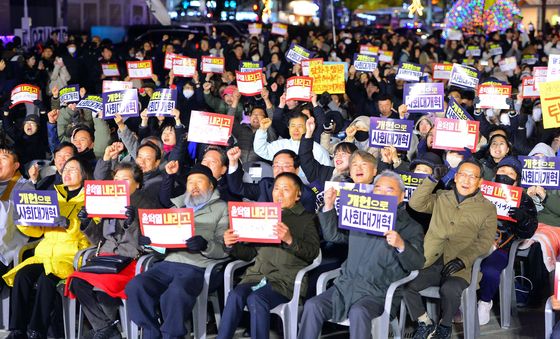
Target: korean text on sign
210, 128
162, 102
169, 228
455, 135
24, 93
36, 208
411, 182
299, 88
139, 69
390, 132
255, 221
123, 102
365, 212
424, 97
540, 171
502, 196
106, 198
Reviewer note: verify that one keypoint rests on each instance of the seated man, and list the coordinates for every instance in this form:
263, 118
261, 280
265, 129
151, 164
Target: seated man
462, 228
270, 281
174, 284
359, 292
283, 161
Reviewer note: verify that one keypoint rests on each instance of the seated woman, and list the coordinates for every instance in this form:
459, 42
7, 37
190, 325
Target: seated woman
114, 236
269, 282
52, 261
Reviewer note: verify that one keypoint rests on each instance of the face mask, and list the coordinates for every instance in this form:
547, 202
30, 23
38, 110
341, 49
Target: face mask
131, 55
504, 119
255, 57
504, 179
71, 50
489, 112
537, 114
453, 160
188, 93
361, 136
347, 41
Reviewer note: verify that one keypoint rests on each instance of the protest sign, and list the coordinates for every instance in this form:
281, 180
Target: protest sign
168, 228
553, 71
454, 34
529, 89
386, 56
139, 69
468, 62
210, 128
305, 64
495, 49
106, 198
456, 111
113, 85
369, 50
442, 71
550, 103
69, 94
411, 182
503, 196
529, 59
168, 62
255, 28
296, 53
493, 96
255, 221
423, 97
473, 51
162, 102
540, 171
279, 29
249, 66
365, 63
328, 78
348, 186
249, 83
36, 208
455, 135
508, 64
110, 70
539, 74
390, 132
184, 67
123, 102
24, 93
91, 102
465, 77
212, 64
365, 212
299, 88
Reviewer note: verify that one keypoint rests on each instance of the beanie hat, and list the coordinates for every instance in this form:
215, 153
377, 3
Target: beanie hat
429, 159
201, 169
512, 162
542, 148
33, 118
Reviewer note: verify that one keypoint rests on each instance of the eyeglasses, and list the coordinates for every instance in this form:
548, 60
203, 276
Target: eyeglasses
469, 177
282, 166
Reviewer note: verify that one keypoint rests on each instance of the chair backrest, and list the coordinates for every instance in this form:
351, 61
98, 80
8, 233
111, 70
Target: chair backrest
256, 170
299, 278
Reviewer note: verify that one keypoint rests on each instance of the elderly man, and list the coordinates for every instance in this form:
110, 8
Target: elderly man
462, 228
174, 284
359, 292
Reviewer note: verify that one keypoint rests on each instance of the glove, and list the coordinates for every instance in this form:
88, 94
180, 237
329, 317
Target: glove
143, 240
84, 218
439, 172
130, 215
518, 214
196, 244
451, 267
62, 222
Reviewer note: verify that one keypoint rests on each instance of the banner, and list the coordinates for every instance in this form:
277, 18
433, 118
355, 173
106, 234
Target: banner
386, 56
168, 63
409, 72
24, 93
495, 49
296, 53
113, 85
123, 102
456, 111
255, 221
328, 78
411, 182
305, 64
210, 128
139, 69
370, 213
91, 102
465, 77
69, 94
455, 135
169, 228
36, 208
390, 132
553, 71
473, 51
503, 196
423, 97
493, 96
442, 71
529, 59
212, 64
106, 198
249, 83
299, 88
529, 88
162, 102
110, 70
365, 63
279, 29
250, 66
184, 67
369, 50
255, 29
508, 64
540, 171
550, 103
454, 34
339, 186
539, 74
468, 62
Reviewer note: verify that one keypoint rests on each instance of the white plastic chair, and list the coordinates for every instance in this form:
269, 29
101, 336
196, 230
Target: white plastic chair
289, 312
379, 325
549, 318
507, 291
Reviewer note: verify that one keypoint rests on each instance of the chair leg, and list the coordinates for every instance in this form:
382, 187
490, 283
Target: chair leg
215, 302
199, 318
402, 319
124, 318
396, 328
506, 285
133, 330
548, 319
380, 326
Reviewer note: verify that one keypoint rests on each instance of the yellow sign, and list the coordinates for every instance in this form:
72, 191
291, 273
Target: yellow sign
416, 6
550, 103
327, 78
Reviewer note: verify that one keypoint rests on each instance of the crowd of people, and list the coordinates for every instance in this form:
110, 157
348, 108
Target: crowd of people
440, 231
